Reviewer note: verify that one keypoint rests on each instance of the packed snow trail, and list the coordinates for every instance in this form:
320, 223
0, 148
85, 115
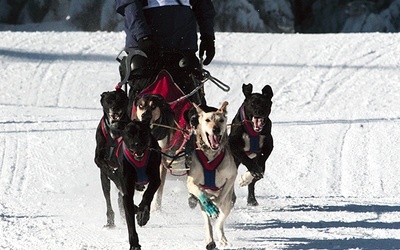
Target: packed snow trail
331, 181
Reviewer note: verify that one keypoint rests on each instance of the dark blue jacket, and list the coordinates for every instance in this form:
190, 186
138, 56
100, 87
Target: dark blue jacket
172, 27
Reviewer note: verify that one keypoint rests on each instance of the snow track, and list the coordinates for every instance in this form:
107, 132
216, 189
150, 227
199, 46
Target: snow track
331, 181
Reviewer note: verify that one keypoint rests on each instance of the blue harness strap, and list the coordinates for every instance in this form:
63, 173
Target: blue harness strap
139, 166
253, 135
209, 169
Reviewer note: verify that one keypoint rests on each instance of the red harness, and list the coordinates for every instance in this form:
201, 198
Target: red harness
209, 169
253, 135
140, 166
111, 144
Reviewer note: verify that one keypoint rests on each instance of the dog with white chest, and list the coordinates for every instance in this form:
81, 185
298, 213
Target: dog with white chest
212, 171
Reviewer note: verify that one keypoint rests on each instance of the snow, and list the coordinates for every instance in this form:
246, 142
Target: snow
332, 181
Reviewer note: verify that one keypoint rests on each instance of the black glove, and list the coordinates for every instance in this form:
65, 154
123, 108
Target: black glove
207, 45
148, 46
143, 215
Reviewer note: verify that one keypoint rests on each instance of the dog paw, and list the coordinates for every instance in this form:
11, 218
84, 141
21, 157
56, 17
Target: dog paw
209, 207
109, 226
192, 200
246, 179
211, 246
143, 216
223, 242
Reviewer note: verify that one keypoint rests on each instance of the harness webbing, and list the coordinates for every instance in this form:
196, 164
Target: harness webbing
140, 166
253, 135
111, 143
209, 168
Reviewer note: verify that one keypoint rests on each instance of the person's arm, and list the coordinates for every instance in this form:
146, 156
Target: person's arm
204, 12
134, 19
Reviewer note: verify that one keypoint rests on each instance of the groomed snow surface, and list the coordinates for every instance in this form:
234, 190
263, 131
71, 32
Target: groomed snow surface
332, 181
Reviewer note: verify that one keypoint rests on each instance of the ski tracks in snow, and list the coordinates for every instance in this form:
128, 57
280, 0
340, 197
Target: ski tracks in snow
324, 153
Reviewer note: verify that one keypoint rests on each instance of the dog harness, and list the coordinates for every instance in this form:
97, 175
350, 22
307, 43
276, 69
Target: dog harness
253, 135
209, 168
111, 144
140, 166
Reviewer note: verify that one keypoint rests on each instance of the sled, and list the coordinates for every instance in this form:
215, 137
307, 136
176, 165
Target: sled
165, 86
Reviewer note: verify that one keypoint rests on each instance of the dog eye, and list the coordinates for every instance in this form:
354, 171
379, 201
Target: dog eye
208, 120
221, 120
153, 107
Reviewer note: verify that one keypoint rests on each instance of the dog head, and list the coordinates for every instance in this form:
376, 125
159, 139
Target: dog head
136, 136
257, 107
115, 105
149, 107
212, 126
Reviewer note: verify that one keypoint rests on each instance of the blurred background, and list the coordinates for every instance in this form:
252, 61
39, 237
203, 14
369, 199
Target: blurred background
261, 16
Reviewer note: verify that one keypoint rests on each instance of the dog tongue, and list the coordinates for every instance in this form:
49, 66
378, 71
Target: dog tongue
214, 141
257, 124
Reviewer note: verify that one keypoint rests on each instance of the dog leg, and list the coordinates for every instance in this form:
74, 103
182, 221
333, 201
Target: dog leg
121, 207
225, 207
209, 207
210, 243
220, 226
130, 218
251, 198
156, 205
106, 186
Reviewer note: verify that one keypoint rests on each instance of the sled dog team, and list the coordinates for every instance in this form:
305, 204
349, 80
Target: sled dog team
130, 150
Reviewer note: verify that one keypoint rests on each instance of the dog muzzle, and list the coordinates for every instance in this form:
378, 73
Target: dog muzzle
214, 140
258, 123
115, 117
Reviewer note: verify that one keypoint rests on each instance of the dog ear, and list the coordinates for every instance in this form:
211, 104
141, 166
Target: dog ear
122, 94
222, 109
267, 91
162, 103
135, 101
191, 117
194, 120
247, 89
198, 109
102, 96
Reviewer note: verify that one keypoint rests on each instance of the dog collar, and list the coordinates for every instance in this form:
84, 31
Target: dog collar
111, 144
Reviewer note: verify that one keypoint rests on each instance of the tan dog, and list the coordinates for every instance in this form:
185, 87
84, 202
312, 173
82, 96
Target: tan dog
154, 109
212, 172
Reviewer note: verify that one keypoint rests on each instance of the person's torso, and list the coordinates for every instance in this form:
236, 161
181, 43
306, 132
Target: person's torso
158, 3
173, 27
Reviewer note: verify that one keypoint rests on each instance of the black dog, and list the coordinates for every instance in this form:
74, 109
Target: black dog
108, 132
139, 158
250, 139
